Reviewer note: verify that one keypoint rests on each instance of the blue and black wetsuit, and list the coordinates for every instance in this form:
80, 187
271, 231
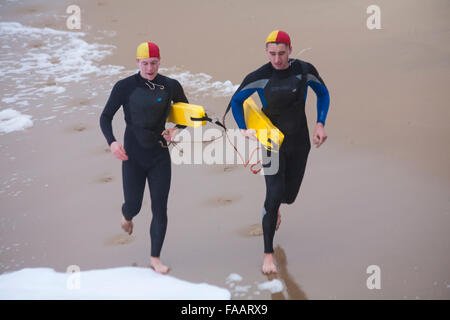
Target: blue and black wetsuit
146, 106
283, 96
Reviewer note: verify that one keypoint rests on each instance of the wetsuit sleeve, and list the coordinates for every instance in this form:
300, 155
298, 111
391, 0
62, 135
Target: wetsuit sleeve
178, 93
323, 97
178, 96
245, 90
112, 105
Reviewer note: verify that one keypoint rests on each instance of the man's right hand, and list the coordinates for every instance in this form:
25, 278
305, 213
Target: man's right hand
127, 225
249, 133
118, 151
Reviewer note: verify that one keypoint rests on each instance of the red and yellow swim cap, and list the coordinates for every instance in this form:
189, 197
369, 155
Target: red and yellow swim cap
147, 50
279, 36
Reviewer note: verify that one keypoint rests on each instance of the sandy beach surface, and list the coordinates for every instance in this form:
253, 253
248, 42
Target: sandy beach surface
376, 193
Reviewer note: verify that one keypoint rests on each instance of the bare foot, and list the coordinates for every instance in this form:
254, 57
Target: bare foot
127, 226
278, 220
268, 266
158, 266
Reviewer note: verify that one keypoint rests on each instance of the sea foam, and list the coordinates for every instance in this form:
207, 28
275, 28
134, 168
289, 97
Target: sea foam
117, 283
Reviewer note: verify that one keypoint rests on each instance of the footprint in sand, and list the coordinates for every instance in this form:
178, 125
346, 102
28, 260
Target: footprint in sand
83, 102
118, 240
54, 60
52, 83
223, 201
105, 179
36, 45
224, 168
254, 230
228, 168
49, 83
78, 128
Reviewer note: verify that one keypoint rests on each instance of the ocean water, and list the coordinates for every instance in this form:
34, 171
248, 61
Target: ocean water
43, 69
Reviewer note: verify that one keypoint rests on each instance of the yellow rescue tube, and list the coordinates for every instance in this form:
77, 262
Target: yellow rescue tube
267, 134
182, 113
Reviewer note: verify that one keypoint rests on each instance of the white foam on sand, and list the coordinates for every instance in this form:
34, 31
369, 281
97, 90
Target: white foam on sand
233, 277
12, 120
54, 89
62, 54
273, 286
200, 84
46, 67
118, 283
43, 63
238, 291
242, 288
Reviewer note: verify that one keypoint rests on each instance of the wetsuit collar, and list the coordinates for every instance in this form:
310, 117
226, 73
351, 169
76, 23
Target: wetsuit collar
283, 70
143, 80
282, 73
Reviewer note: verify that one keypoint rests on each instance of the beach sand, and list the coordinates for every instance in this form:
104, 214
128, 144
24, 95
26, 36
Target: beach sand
376, 193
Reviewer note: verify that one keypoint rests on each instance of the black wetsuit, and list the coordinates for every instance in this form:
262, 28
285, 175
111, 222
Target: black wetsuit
146, 106
283, 96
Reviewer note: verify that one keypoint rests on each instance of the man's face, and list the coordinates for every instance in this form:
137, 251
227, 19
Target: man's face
278, 55
148, 67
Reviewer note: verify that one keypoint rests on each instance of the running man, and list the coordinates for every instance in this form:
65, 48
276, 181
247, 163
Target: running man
282, 87
146, 98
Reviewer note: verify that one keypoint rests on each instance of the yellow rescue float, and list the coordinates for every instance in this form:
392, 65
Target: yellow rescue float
267, 134
187, 114
192, 115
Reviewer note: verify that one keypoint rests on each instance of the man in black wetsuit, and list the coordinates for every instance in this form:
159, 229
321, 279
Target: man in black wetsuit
146, 98
282, 86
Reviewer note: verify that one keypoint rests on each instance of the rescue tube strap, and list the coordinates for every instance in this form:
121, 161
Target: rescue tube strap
212, 120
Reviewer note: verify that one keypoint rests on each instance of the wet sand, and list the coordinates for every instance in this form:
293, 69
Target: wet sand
375, 194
